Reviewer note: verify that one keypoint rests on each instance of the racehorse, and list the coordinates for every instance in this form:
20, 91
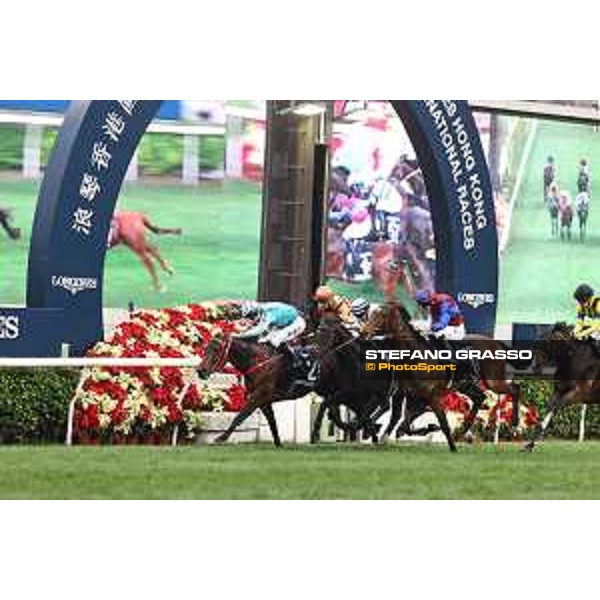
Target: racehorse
129, 229
577, 376
565, 209
13, 233
393, 319
268, 372
582, 206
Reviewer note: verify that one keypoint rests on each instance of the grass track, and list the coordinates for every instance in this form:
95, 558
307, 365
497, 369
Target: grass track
558, 470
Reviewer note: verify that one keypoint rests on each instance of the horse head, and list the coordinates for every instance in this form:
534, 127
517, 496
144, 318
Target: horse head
390, 319
215, 355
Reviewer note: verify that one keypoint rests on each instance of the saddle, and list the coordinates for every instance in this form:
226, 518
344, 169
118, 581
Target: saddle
305, 365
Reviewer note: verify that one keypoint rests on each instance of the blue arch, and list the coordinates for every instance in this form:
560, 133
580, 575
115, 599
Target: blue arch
88, 166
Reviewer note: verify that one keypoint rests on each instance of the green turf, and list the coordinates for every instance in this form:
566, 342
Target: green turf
556, 470
216, 257
538, 273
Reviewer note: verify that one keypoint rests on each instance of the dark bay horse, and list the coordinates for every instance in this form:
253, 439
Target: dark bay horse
577, 376
394, 320
269, 376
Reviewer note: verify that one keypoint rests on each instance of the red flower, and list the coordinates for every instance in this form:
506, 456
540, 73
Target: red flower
532, 416
118, 415
175, 414
146, 414
457, 403
88, 418
198, 312
192, 399
236, 398
162, 396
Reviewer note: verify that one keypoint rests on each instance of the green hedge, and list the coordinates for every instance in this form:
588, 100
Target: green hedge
565, 424
11, 146
160, 153
34, 404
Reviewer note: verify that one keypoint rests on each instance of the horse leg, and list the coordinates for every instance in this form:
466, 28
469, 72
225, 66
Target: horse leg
237, 421
553, 406
147, 261
515, 393
315, 434
437, 408
396, 415
153, 250
267, 410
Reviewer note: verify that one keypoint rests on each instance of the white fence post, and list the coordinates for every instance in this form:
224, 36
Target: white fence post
582, 423
32, 151
191, 161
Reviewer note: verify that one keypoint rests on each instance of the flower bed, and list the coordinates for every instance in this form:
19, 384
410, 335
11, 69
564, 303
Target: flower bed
497, 411
145, 404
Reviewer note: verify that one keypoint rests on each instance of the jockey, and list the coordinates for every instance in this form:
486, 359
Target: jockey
583, 179
361, 309
330, 302
588, 313
549, 175
278, 323
448, 324
447, 320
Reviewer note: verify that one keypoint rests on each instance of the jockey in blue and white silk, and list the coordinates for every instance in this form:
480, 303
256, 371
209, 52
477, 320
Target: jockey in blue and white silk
276, 322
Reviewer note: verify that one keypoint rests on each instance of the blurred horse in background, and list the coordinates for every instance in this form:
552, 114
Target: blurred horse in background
582, 207
129, 229
565, 209
5, 216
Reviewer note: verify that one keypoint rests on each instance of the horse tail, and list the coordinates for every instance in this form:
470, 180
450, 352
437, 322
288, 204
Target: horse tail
159, 230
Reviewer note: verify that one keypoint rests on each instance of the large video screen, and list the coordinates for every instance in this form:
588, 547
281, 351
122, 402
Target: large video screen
187, 226
542, 173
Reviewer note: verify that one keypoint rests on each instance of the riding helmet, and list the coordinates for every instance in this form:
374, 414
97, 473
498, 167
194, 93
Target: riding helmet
583, 293
360, 307
423, 297
323, 294
249, 310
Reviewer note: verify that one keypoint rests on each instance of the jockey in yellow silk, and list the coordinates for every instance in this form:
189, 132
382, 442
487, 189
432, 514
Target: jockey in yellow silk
330, 302
588, 313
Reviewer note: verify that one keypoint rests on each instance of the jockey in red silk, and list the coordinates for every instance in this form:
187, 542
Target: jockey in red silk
447, 319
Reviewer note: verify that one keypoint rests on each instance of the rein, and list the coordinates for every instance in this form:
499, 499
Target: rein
271, 359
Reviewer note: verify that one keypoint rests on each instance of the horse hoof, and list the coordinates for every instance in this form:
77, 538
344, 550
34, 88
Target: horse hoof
528, 447
161, 289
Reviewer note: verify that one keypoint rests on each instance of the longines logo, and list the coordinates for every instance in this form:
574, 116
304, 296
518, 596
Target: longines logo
74, 285
476, 300
9, 328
